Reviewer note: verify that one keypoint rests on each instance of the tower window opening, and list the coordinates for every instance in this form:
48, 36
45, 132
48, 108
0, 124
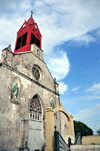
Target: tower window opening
18, 43
21, 41
24, 38
35, 40
38, 42
32, 39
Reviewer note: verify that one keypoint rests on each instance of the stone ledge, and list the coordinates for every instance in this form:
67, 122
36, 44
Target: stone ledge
85, 147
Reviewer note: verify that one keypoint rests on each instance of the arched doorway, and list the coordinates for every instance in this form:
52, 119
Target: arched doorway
35, 124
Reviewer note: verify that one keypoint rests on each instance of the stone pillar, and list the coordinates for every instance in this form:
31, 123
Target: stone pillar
71, 126
49, 129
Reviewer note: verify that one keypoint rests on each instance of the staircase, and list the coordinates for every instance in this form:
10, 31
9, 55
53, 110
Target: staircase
59, 143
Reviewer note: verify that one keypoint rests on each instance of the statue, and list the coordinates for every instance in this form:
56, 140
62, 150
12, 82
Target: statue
15, 91
52, 104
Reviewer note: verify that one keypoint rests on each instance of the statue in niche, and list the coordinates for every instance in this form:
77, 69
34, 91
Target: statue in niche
15, 91
52, 104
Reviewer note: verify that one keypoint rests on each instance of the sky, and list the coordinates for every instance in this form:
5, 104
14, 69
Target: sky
71, 42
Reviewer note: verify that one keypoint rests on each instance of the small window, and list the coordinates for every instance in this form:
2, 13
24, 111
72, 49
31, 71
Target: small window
38, 53
33, 116
30, 115
38, 117
38, 108
35, 40
31, 108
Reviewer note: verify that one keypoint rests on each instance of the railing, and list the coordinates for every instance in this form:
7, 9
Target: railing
59, 143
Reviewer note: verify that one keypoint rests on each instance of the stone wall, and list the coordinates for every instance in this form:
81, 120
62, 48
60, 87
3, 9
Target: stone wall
19, 68
85, 148
14, 114
91, 140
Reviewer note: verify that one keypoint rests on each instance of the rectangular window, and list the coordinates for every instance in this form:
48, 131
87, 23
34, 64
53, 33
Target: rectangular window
38, 117
18, 43
32, 39
38, 56
21, 41
24, 38
38, 42
30, 115
35, 40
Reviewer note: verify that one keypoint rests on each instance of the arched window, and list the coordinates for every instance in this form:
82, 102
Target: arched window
35, 109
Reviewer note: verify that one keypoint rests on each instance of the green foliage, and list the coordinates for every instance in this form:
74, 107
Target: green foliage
82, 128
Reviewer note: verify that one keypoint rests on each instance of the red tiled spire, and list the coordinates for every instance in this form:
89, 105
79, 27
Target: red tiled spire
28, 34
31, 21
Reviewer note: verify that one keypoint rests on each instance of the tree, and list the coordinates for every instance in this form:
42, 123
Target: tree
98, 132
82, 128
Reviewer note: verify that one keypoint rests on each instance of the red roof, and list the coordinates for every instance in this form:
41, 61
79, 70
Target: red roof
31, 20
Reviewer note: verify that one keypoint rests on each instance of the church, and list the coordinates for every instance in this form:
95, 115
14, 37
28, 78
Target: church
30, 105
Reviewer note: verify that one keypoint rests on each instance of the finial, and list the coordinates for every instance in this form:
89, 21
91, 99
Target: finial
9, 47
31, 13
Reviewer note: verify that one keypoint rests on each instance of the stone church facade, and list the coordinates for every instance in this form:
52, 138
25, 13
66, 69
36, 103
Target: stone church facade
27, 90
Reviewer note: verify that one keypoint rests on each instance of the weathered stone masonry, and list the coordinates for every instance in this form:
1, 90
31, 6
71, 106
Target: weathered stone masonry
27, 89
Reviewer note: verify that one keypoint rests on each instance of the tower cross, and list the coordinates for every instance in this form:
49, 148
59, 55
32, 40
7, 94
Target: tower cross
31, 13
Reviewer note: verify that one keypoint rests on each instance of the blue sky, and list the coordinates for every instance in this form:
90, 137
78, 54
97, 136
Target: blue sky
71, 42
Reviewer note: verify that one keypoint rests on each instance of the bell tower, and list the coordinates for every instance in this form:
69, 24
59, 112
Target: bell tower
27, 35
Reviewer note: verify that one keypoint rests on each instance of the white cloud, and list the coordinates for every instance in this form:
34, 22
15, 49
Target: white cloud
94, 88
67, 20
62, 87
84, 39
86, 115
59, 21
88, 97
98, 32
75, 89
59, 64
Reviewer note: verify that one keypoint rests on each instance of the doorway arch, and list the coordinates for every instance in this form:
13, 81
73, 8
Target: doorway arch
35, 124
